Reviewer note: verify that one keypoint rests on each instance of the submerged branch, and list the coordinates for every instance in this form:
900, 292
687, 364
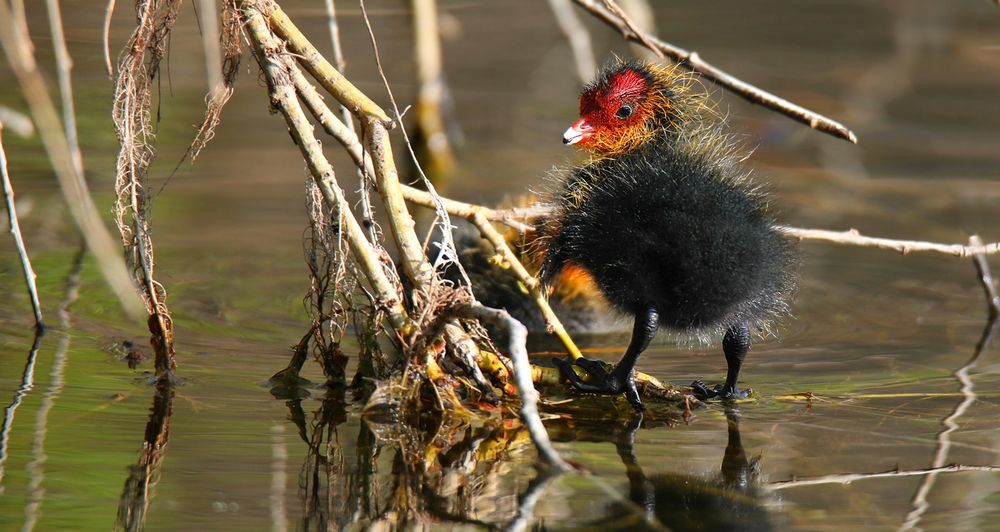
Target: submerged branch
693, 61
522, 378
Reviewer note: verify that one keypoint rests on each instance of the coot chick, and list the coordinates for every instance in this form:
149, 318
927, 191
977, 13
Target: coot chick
665, 220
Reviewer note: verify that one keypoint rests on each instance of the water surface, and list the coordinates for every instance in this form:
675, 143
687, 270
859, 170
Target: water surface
876, 337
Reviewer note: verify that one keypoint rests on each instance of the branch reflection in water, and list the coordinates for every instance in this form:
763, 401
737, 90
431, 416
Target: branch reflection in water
462, 473
137, 493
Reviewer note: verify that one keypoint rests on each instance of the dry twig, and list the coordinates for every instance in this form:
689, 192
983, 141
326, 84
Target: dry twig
321, 69
18, 48
852, 237
693, 61
364, 173
15, 231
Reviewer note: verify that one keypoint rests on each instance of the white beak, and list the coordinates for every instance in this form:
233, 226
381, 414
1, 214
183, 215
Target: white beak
572, 136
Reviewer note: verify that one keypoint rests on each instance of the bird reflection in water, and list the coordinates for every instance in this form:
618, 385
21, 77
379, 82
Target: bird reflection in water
729, 500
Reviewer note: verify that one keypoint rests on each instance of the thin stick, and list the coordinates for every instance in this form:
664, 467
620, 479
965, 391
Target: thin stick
853, 238
578, 38
74, 189
109, 12
852, 477
282, 94
401, 224
367, 215
518, 335
64, 66
529, 281
627, 21
15, 231
983, 270
693, 61
508, 217
448, 252
850, 237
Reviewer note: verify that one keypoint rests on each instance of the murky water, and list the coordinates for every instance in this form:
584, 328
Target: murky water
877, 338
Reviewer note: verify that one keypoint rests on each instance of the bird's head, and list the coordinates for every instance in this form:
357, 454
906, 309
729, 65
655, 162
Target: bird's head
629, 104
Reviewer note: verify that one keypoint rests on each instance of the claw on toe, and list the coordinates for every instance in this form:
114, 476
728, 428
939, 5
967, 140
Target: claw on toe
702, 392
601, 380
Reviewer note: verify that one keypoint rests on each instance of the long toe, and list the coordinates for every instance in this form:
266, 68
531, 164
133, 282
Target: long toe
632, 394
595, 368
567, 371
702, 391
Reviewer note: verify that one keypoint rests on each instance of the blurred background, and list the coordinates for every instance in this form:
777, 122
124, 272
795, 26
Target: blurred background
876, 336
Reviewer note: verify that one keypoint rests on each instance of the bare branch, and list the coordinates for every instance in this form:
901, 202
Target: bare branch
432, 91
210, 43
15, 231
518, 335
693, 61
64, 66
71, 182
367, 215
639, 34
578, 37
321, 69
282, 93
853, 238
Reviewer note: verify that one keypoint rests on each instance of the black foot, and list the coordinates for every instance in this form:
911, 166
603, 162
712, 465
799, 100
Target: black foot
703, 392
601, 381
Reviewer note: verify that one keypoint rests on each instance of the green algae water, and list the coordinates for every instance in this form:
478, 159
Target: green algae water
888, 364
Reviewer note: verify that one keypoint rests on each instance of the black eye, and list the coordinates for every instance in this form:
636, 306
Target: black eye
624, 112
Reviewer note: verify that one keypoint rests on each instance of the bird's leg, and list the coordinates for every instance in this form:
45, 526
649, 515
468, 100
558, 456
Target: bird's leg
622, 378
735, 345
